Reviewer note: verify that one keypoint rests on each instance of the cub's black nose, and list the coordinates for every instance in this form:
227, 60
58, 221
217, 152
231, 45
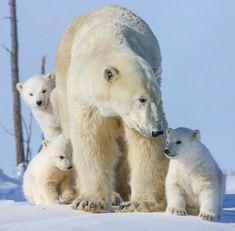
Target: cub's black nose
166, 151
70, 167
39, 103
155, 134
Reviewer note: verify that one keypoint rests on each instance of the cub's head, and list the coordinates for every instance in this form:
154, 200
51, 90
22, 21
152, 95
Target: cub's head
58, 152
37, 89
180, 141
122, 84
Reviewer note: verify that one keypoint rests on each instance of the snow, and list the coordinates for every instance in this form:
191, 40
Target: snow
17, 215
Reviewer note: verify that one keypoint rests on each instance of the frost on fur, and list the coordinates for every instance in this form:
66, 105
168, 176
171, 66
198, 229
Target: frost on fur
194, 183
36, 92
49, 178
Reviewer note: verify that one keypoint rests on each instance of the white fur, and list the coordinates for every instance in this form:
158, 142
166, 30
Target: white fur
194, 183
39, 89
48, 178
107, 61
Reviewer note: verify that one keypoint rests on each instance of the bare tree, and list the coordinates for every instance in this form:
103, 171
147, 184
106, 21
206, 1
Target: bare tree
43, 71
15, 79
27, 139
43, 65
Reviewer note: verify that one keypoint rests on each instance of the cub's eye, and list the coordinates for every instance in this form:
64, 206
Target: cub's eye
31, 94
44, 91
142, 100
167, 142
178, 142
61, 157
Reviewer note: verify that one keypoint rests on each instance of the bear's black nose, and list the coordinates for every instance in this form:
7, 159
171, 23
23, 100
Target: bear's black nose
70, 167
166, 151
155, 134
39, 103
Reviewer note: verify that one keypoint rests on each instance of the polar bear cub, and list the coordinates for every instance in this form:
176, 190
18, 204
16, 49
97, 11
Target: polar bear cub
194, 183
36, 92
48, 178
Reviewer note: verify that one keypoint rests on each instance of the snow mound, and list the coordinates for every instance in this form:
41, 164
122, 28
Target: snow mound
10, 188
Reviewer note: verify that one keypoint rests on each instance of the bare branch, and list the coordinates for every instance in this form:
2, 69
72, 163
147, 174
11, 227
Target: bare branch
6, 130
6, 49
43, 64
28, 128
25, 127
5, 18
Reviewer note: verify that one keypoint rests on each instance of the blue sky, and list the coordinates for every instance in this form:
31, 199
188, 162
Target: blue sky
197, 40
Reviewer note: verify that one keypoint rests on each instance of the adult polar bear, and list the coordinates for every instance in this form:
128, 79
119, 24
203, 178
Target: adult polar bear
108, 88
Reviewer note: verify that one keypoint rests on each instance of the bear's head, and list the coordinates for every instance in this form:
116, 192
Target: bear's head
180, 141
57, 150
119, 83
37, 89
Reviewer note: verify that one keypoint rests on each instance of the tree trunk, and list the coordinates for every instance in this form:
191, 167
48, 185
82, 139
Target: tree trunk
43, 65
15, 80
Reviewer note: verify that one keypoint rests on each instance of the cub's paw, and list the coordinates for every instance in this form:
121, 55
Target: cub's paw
207, 216
90, 205
67, 198
139, 206
177, 211
116, 199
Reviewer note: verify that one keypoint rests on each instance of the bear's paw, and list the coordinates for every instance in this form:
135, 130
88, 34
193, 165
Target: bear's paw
67, 198
207, 216
177, 211
90, 205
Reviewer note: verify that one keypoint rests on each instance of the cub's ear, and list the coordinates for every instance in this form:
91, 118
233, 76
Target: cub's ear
45, 144
168, 131
19, 87
110, 74
50, 76
196, 134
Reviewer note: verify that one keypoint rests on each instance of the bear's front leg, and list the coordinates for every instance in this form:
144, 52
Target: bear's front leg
175, 198
209, 203
148, 168
50, 194
67, 190
93, 158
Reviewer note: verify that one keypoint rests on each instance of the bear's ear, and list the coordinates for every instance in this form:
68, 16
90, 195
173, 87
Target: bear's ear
196, 134
110, 74
19, 87
168, 131
158, 72
50, 76
45, 144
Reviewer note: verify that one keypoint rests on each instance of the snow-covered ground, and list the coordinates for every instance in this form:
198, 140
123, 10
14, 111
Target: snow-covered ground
17, 214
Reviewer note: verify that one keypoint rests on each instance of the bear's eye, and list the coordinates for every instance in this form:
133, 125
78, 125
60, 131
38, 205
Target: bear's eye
178, 142
61, 157
108, 74
142, 100
167, 142
44, 91
31, 94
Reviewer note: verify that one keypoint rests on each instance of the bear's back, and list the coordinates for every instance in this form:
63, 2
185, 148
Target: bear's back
114, 26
